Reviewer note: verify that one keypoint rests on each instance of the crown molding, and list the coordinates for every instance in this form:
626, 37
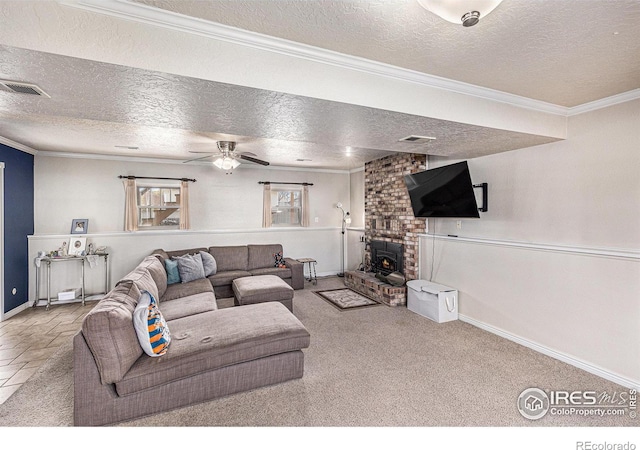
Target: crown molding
604, 102
124, 9
17, 145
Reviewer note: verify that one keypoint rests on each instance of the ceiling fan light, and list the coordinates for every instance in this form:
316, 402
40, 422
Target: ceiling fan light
465, 12
235, 163
227, 163
218, 163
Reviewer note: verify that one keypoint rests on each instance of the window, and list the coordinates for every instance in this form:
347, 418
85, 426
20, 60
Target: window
158, 206
286, 207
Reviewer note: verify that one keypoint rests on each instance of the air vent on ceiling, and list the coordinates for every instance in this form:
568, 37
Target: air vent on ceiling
23, 88
417, 139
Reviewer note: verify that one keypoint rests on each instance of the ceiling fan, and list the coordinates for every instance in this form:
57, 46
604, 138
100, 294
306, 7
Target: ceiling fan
227, 159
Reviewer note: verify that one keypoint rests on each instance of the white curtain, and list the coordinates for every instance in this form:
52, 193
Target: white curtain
305, 206
184, 205
266, 206
130, 205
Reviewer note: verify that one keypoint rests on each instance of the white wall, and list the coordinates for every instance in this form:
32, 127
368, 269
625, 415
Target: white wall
225, 210
71, 188
356, 182
355, 232
555, 262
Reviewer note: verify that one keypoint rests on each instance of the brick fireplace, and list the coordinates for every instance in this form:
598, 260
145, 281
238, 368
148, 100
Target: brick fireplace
388, 213
391, 230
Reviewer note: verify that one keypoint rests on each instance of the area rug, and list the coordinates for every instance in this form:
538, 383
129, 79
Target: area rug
345, 299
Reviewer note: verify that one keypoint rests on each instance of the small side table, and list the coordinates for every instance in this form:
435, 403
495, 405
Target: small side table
312, 269
46, 261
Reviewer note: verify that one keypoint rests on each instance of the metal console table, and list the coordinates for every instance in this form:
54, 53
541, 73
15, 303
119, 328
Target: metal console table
47, 261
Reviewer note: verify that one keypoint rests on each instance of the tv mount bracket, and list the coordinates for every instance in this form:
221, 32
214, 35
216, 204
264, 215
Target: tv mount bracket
485, 195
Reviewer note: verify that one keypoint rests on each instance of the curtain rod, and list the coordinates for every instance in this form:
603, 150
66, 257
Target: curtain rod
283, 182
133, 177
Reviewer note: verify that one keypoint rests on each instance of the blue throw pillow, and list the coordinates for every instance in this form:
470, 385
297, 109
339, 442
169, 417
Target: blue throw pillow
173, 276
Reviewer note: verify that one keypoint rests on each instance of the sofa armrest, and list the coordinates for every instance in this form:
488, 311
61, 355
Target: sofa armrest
297, 272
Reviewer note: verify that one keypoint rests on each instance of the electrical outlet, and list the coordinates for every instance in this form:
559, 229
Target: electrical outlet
459, 224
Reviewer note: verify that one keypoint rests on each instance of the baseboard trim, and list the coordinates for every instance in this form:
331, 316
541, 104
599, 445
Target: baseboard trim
15, 311
595, 370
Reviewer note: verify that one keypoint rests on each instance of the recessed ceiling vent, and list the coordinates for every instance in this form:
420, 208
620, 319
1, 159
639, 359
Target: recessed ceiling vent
23, 88
417, 139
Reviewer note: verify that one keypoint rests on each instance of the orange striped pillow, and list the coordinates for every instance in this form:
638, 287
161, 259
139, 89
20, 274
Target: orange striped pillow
151, 328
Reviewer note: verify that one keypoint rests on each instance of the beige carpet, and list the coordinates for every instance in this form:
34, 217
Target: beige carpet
376, 367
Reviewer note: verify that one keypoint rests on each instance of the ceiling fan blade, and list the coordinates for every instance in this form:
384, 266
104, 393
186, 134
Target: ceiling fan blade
197, 159
254, 160
211, 153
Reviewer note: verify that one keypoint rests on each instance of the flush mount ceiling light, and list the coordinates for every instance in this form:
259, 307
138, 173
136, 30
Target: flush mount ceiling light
466, 12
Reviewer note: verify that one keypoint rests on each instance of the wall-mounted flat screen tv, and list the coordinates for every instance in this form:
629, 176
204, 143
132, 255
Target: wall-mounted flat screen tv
443, 192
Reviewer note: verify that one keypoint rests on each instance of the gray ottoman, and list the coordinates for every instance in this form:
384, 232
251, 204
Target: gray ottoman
262, 288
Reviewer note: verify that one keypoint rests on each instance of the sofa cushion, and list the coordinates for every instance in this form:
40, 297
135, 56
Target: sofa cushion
188, 306
190, 267
109, 332
146, 274
173, 275
282, 273
175, 291
225, 278
230, 257
158, 273
189, 251
151, 327
217, 339
160, 254
209, 264
262, 255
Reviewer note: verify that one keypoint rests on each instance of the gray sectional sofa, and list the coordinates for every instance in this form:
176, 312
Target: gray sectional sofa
213, 352
242, 261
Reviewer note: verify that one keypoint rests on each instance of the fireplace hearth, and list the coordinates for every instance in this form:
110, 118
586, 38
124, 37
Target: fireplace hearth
386, 257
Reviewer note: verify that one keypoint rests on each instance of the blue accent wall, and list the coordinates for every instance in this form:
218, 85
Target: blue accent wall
18, 224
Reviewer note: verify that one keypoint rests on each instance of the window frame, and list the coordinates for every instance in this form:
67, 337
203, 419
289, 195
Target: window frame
152, 207
300, 209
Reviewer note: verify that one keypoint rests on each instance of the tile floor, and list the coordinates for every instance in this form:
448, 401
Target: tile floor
30, 337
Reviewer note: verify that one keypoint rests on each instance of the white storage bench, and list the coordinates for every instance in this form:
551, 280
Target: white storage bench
434, 301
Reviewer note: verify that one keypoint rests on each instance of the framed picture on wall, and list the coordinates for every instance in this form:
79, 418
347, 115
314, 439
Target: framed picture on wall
79, 226
77, 245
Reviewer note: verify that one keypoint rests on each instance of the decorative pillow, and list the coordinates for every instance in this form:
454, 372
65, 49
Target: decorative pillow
209, 264
190, 267
279, 260
173, 276
151, 328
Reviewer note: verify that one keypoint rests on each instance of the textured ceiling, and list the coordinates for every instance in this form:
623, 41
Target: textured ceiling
566, 53
96, 106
